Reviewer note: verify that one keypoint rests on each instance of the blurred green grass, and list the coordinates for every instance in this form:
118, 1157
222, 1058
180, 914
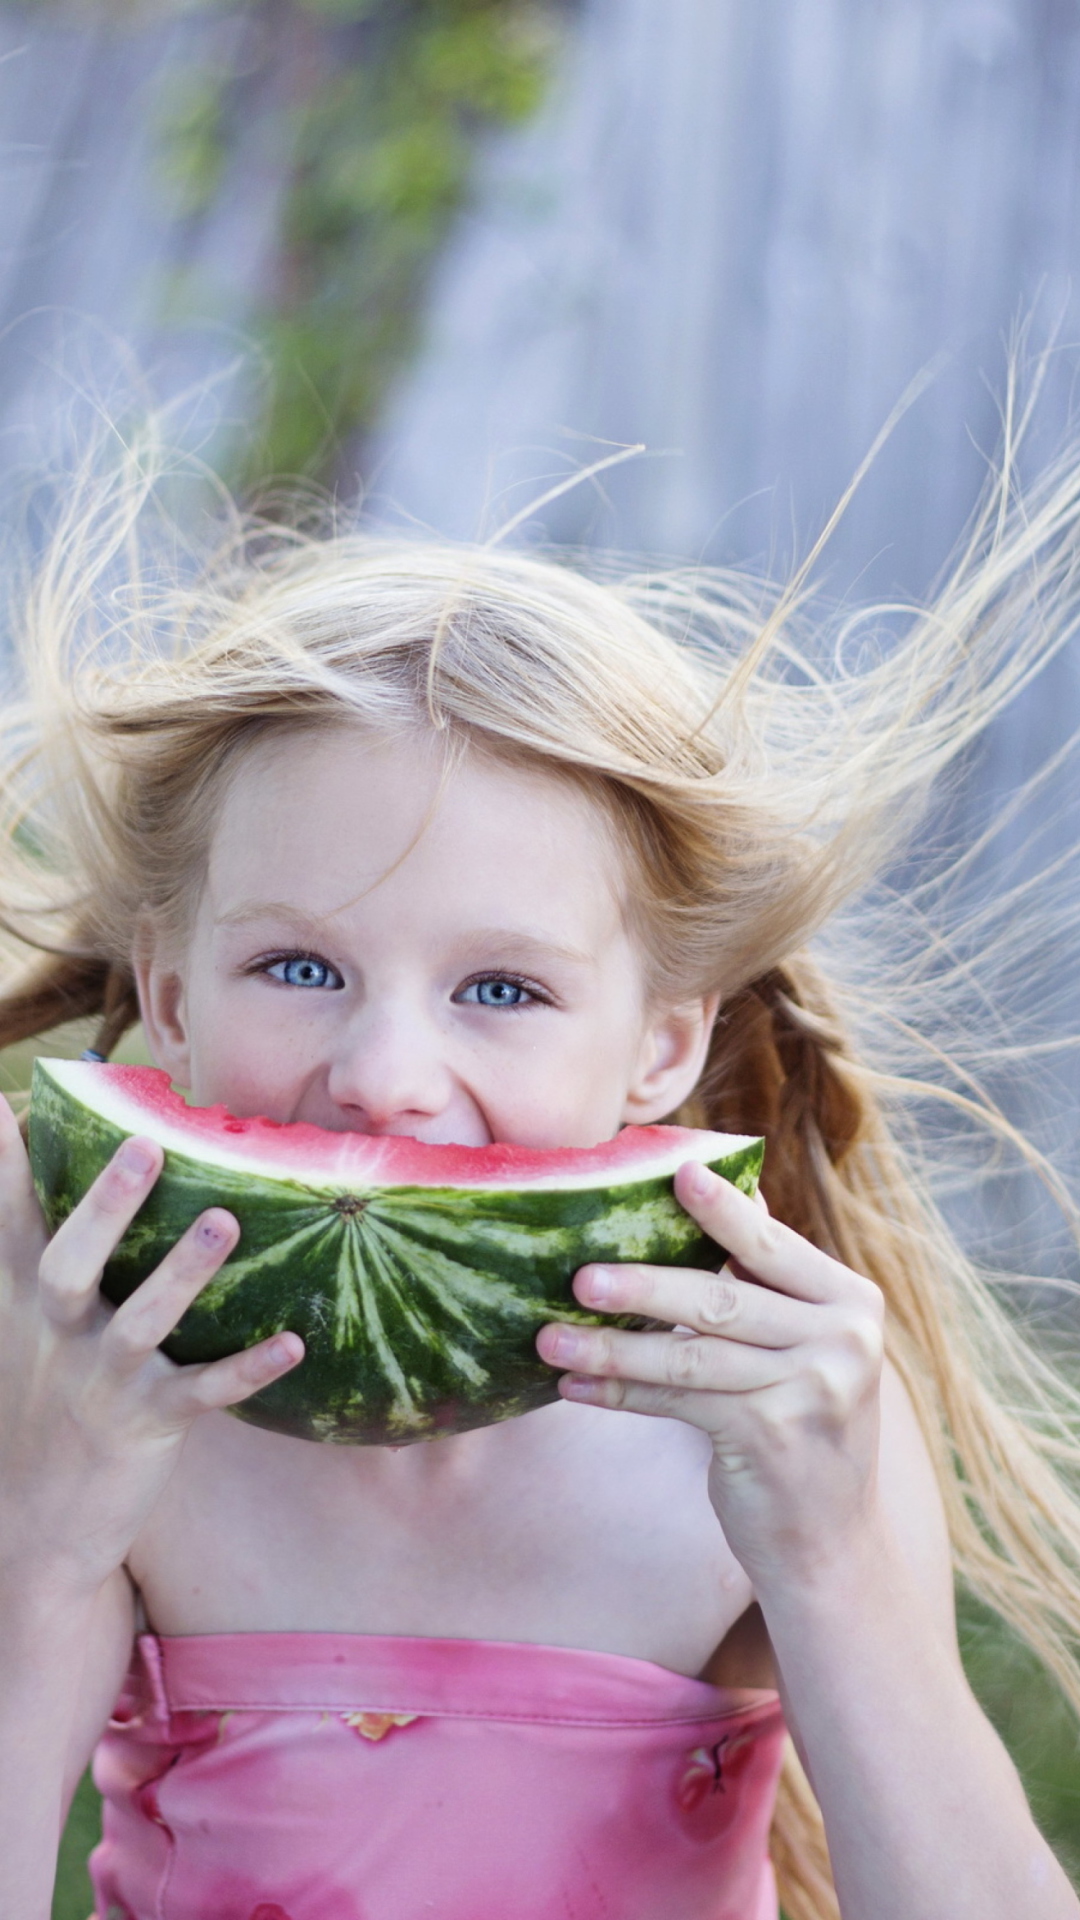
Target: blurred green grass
1019, 1698
74, 1899
1029, 1713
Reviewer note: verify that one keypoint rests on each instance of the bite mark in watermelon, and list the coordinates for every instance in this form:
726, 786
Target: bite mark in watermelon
417, 1276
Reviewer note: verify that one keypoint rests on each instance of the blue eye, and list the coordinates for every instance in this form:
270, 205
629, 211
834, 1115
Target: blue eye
496, 991
303, 970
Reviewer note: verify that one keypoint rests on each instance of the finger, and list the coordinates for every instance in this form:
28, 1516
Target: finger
149, 1314
21, 1223
635, 1396
767, 1250
72, 1263
226, 1383
722, 1304
690, 1362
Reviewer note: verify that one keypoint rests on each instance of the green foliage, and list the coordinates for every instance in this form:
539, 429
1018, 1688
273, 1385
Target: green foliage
371, 112
193, 146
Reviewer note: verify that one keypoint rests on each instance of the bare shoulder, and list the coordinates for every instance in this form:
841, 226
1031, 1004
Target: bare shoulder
912, 1500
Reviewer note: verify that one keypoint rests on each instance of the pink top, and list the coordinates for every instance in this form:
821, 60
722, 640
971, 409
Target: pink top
329, 1776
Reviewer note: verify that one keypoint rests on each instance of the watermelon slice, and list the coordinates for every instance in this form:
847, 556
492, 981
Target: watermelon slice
417, 1276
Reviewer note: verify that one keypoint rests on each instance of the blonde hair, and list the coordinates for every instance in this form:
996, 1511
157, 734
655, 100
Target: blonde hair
763, 765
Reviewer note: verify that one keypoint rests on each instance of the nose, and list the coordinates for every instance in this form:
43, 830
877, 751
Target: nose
390, 1075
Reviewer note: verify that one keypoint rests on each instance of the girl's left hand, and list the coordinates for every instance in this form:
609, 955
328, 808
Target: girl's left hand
777, 1358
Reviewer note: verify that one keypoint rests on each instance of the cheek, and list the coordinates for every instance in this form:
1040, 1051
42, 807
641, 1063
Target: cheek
565, 1092
242, 1055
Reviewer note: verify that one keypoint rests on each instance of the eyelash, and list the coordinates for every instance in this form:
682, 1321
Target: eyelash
536, 995
269, 960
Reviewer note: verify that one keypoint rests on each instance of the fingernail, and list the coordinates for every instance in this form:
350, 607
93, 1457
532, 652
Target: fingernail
699, 1180
211, 1234
580, 1386
136, 1157
565, 1344
280, 1353
598, 1284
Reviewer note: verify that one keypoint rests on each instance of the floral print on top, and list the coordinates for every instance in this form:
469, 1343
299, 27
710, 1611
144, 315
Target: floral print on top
365, 1777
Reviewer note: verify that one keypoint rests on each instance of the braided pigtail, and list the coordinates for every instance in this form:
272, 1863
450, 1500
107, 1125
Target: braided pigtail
62, 987
779, 1065
71, 987
119, 1010
68, 987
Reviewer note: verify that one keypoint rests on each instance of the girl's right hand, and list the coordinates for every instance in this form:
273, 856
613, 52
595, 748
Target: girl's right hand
92, 1415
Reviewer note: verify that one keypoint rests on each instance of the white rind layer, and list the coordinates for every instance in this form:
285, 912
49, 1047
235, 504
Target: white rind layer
362, 1160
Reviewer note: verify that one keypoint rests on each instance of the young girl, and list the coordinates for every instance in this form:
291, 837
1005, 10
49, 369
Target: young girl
466, 846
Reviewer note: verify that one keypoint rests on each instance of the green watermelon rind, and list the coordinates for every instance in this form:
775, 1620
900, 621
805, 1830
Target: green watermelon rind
418, 1306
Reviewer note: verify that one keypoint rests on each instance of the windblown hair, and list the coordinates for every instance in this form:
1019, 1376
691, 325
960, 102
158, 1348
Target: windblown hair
761, 766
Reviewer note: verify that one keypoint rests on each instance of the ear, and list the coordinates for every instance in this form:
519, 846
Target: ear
160, 982
673, 1051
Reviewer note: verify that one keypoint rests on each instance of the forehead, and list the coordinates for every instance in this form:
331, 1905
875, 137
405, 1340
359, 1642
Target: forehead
319, 821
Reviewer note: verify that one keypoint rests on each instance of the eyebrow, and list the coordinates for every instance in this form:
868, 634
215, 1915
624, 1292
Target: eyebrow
250, 910
516, 941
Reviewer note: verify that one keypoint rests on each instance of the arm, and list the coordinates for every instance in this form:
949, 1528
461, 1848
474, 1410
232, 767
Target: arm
108, 1648
62, 1662
949, 1815
92, 1419
924, 1813
781, 1365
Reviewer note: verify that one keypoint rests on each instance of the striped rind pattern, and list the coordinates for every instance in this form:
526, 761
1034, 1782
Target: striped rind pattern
418, 1306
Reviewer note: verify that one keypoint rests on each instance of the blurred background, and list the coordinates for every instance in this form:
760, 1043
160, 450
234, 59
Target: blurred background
447, 253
